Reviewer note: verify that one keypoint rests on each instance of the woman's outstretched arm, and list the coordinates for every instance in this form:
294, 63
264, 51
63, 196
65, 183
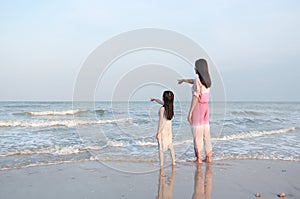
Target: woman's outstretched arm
189, 81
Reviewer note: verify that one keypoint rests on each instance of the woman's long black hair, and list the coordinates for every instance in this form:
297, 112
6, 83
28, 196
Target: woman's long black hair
168, 98
202, 71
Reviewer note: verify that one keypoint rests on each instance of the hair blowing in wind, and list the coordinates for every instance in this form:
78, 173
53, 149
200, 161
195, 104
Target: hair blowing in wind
168, 98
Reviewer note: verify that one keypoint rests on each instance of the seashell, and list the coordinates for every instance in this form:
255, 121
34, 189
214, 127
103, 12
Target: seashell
281, 195
258, 195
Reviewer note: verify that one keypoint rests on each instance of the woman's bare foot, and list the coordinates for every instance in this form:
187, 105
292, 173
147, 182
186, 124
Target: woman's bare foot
207, 159
198, 161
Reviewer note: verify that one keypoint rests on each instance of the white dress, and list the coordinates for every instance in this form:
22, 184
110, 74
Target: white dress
165, 140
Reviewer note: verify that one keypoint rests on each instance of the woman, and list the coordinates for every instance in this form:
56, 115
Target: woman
198, 116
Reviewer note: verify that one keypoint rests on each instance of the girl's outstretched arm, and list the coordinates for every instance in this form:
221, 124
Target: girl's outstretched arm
189, 81
157, 101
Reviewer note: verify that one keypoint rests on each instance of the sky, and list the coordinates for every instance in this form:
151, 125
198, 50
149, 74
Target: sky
255, 45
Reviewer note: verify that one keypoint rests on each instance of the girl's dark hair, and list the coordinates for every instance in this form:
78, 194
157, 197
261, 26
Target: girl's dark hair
168, 98
202, 71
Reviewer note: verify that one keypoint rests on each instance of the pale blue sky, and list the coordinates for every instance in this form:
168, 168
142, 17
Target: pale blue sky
255, 44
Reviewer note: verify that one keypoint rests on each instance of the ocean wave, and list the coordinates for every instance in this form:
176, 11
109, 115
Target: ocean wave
66, 123
183, 142
115, 144
256, 157
52, 113
146, 143
149, 159
17, 106
249, 113
70, 112
4, 168
142, 143
121, 158
130, 143
54, 150
252, 134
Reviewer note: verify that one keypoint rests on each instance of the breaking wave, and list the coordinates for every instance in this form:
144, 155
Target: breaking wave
70, 112
252, 134
66, 123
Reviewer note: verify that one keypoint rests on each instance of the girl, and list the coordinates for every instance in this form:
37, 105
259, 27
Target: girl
164, 129
198, 116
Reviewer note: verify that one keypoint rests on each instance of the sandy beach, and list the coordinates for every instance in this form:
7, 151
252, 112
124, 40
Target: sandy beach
220, 179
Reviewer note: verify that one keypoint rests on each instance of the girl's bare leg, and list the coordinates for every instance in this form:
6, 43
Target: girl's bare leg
160, 154
172, 153
161, 157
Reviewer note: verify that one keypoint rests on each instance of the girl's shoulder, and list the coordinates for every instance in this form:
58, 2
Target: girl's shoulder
161, 111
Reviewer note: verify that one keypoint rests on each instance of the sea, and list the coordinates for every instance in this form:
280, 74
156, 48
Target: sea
50, 133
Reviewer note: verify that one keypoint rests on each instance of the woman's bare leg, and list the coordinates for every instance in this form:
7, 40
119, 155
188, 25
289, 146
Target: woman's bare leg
207, 143
198, 142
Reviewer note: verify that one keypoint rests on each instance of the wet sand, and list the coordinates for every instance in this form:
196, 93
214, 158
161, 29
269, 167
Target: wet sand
220, 179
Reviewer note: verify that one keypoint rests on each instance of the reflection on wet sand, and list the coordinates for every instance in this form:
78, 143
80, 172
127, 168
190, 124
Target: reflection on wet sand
202, 186
165, 187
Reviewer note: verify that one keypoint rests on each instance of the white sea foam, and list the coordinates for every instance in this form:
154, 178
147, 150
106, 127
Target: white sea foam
40, 164
145, 143
115, 144
71, 112
256, 157
130, 158
55, 150
45, 113
67, 123
184, 142
252, 134
126, 144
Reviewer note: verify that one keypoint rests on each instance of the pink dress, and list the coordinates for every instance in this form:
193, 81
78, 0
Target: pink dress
200, 114
200, 120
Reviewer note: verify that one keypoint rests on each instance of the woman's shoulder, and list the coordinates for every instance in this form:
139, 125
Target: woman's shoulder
200, 86
197, 80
